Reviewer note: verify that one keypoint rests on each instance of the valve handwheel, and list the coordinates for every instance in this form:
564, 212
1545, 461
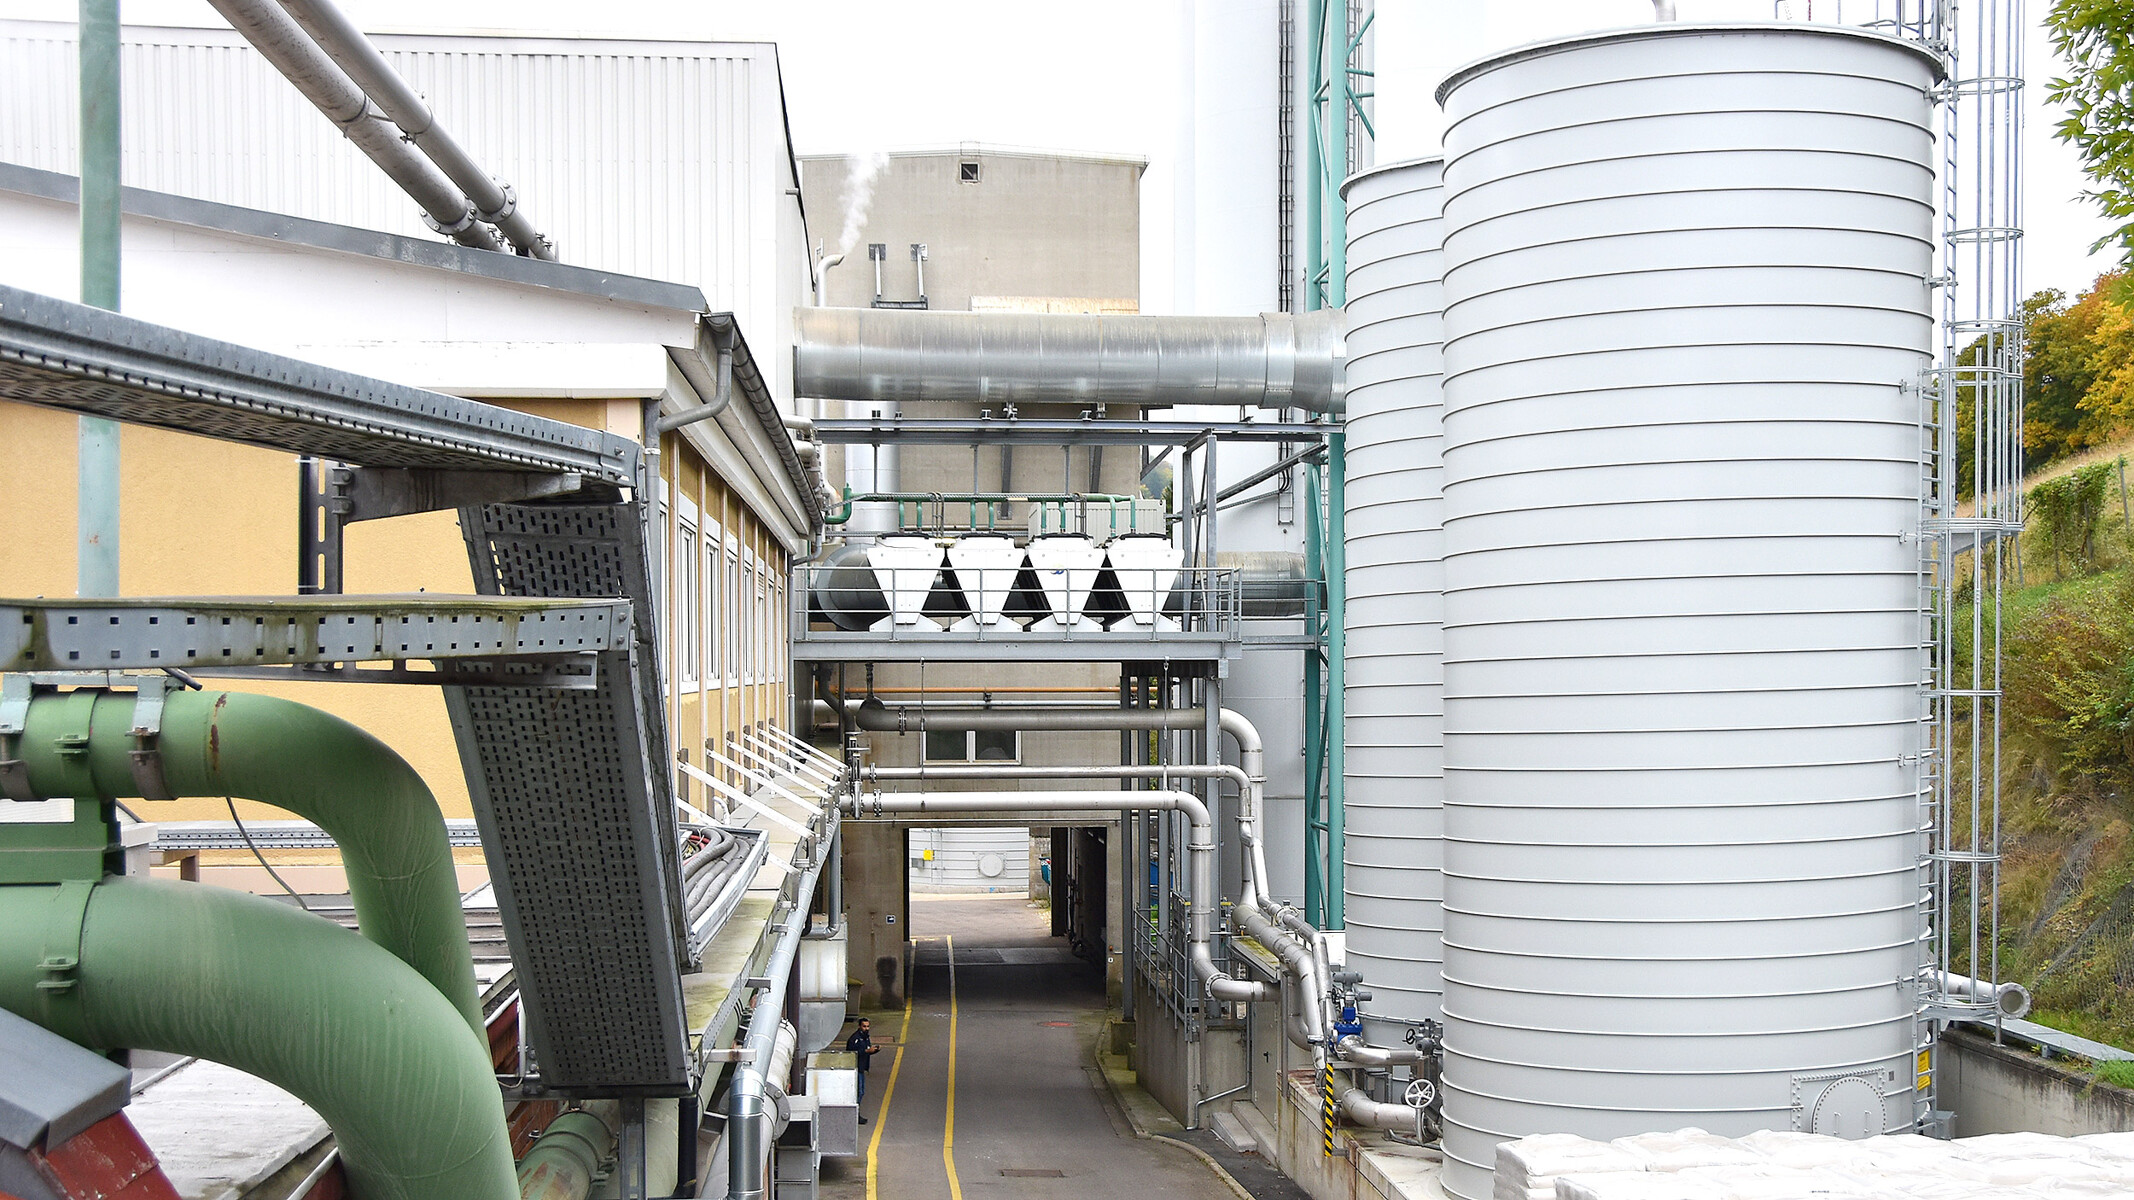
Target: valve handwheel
1419, 1094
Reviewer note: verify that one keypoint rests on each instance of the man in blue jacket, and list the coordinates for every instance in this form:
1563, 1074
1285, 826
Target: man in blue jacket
861, 1046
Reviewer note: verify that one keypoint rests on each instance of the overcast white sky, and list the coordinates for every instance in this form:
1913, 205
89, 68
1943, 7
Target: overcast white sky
1100, 75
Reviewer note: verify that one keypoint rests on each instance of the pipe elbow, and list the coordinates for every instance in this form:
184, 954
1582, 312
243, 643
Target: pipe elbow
293, 998
1375, 1114
1363, 1054
1244, 991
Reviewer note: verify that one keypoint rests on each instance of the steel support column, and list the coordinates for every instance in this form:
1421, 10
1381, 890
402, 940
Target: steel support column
97, 439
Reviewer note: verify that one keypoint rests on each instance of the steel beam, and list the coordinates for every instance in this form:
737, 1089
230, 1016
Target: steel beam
70, 356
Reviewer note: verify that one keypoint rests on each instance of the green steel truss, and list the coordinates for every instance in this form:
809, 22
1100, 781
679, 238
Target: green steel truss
1336, 33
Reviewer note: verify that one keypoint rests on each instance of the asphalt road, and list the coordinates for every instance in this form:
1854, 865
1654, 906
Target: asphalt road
992, 1092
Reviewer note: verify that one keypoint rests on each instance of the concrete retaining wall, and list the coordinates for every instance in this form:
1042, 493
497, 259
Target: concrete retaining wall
2002, 1089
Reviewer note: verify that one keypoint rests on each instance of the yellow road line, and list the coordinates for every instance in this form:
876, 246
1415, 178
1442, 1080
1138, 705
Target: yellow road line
881, 1113
948, 1129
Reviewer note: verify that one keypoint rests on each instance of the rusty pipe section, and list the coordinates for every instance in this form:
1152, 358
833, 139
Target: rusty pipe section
899, 356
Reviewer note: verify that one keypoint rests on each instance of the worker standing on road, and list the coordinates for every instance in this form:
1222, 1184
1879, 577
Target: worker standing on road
861, 1046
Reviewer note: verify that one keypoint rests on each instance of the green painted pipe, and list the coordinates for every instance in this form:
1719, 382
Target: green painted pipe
392, 836
561, 1165
276, 992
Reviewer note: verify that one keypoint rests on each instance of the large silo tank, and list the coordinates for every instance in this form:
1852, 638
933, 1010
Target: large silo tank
1394, 694
1686, 311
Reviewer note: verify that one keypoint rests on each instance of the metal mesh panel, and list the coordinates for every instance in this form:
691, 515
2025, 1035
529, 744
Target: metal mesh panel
576, 813
572, 844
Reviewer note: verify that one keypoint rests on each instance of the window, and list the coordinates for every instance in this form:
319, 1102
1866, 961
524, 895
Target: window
712, 606
967, 171
689, 619
753, 623
972, 745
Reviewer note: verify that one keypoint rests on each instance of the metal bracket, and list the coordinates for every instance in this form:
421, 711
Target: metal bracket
15, 692
147, 754
62, 944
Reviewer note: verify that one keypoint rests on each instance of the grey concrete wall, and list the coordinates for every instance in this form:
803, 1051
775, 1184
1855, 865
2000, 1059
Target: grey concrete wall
1161, 1052
1033, 225
877, 911
2002, 1089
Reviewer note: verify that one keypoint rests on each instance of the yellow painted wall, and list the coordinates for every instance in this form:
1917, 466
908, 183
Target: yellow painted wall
202, 517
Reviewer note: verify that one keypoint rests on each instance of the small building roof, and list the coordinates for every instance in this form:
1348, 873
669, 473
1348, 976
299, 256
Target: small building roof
52, 1089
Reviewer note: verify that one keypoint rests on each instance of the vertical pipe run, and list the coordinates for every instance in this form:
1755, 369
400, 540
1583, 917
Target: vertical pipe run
97, 440
1336, 672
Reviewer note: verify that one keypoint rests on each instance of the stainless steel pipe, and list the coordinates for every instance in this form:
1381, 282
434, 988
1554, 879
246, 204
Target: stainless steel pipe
1274, 360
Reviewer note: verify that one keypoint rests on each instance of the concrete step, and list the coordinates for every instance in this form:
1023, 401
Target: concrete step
1234, 1134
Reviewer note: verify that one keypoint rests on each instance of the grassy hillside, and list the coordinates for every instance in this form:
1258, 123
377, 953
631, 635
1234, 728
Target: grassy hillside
2067, 879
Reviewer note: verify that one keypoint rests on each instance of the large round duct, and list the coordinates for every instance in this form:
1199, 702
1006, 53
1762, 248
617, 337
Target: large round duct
1686, 312
1394, 851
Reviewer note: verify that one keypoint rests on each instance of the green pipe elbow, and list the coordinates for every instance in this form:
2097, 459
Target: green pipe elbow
279, 993
316, 765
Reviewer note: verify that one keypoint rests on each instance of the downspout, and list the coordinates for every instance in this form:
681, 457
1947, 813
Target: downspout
723, 336
1200, 847
377, 809
283, 43
276, 992
493, 201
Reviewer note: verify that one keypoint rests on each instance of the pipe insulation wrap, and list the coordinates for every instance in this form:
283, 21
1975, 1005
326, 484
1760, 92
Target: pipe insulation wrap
392, 838
279, 993
892, 356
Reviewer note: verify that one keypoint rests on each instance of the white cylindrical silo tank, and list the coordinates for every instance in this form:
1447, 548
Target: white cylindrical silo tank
1392, 884
1686, 311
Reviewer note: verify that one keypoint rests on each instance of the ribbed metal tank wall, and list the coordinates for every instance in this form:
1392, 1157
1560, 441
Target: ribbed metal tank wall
1395, 693
1685, 305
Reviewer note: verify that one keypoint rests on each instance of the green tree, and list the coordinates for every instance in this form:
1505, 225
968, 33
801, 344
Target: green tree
2096, 38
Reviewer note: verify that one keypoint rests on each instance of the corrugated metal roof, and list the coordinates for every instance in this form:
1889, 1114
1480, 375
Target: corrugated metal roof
668, 160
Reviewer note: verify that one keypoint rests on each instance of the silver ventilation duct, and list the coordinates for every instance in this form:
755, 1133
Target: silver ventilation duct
1274, 360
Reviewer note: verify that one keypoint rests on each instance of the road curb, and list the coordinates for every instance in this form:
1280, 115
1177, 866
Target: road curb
1126, 1110
1229, 1180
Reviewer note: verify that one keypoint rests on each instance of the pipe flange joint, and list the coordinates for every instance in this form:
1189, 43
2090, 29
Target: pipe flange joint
508, 207
467, 221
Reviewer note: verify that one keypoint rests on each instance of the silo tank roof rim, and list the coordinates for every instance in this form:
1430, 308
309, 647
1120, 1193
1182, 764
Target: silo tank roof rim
1437, 160
1673, 29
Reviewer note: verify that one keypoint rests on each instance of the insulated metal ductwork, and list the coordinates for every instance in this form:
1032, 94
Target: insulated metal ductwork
1299, 946
493, 201
1272, 361
276, 992
284, 43
1200, 848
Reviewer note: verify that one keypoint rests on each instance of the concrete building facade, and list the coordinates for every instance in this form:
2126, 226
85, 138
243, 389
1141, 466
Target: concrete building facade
978, 228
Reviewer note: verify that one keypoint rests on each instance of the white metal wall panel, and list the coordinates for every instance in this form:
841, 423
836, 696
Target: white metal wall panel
1686, 311
667, 160
1393, 854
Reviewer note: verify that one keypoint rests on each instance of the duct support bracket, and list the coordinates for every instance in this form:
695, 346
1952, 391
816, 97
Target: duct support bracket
15, 692
62, 956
